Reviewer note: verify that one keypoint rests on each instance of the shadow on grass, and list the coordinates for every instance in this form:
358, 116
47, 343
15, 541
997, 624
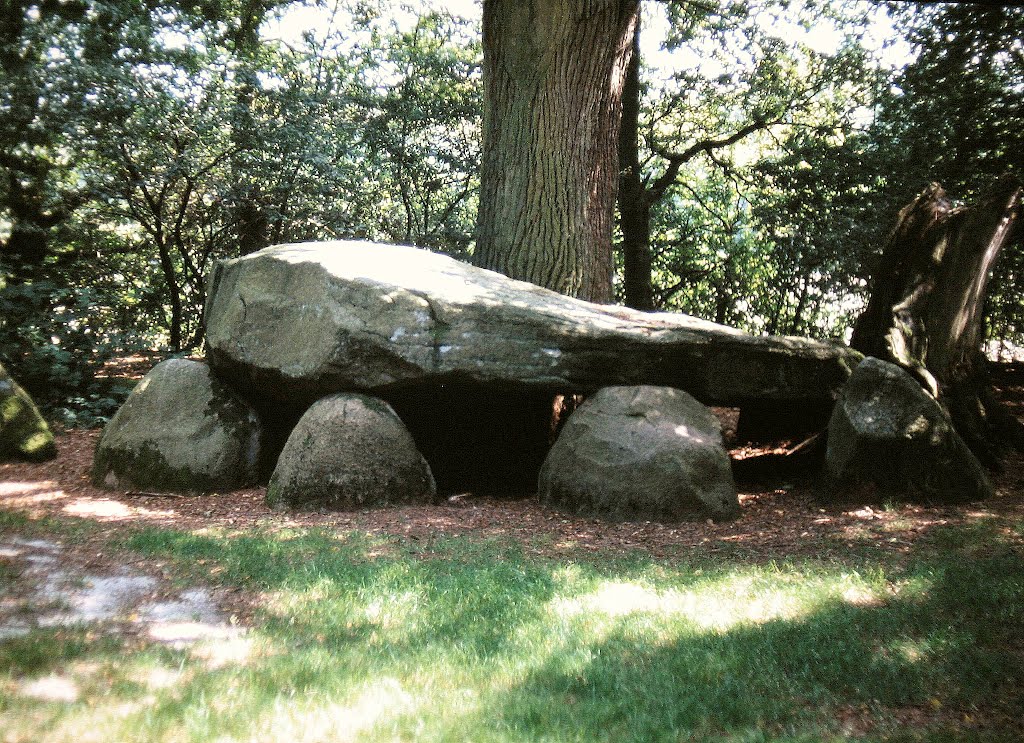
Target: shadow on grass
474, 636
784, 679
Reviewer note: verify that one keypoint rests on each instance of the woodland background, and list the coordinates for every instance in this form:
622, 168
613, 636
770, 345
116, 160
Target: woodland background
140, 141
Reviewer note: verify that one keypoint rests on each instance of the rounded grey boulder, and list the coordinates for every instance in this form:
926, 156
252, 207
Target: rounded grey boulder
23, 432
182, 431
642, 452
887, 435
350, 451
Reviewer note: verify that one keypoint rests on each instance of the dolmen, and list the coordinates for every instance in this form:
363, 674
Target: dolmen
378, 374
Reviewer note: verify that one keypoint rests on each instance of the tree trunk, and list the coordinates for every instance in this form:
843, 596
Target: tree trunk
801, 304
174, 294
553, 78
634, 201
252, 225
927, 301
24, 252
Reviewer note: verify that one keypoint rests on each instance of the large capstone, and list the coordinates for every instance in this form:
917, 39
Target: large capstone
293, 323
350, 451
24, 433
888, 437
638, 453
181, 430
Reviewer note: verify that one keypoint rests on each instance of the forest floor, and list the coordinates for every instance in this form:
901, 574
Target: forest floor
70, 553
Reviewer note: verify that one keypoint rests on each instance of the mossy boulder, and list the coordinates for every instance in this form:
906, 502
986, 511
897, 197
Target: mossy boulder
350, 451
640, 453
181, 430
890, 439
24, 433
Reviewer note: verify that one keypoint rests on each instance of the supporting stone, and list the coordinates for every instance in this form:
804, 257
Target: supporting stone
350, 451
639, 453
180, 430
888, 438
24, 433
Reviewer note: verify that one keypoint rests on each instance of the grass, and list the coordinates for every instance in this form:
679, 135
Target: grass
360, 638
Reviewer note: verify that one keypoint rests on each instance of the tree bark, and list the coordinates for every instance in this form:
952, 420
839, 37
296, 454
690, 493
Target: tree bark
926, 307
174, 294
553, 79
634, 201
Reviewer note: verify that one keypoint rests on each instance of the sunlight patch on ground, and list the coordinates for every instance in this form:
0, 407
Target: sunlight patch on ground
158, 677
861, 596
379, 701
55, 594
235, 649
913, 651
28, 493
865, 513
15, 494
94, 708
394, 610
180, 634
8, 489
723, 606
110, 510
50, 689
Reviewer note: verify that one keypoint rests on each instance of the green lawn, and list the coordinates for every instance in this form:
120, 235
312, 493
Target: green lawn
357, 638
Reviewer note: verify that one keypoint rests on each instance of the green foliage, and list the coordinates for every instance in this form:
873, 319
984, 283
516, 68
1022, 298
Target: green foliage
816, 207
734, 238
365, 131
954, 116
50, 344
140, 143
176, 134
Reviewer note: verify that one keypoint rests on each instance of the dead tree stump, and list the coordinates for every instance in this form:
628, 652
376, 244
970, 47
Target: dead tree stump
926, 307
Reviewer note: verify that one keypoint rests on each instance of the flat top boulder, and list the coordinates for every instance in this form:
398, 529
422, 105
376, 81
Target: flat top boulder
304, 320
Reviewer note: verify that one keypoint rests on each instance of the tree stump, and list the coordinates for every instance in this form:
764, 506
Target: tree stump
926, 308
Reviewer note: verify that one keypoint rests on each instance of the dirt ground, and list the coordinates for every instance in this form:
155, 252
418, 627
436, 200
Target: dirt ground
780, 516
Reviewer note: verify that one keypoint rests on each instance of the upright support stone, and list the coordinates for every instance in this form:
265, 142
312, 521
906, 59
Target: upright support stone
888, 438
180, 430
350, 451
640, 453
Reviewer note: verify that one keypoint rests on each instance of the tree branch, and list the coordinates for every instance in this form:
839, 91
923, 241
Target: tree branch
676, 160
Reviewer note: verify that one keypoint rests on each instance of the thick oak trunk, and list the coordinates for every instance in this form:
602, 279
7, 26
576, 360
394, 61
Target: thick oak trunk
553, 76
927, 301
